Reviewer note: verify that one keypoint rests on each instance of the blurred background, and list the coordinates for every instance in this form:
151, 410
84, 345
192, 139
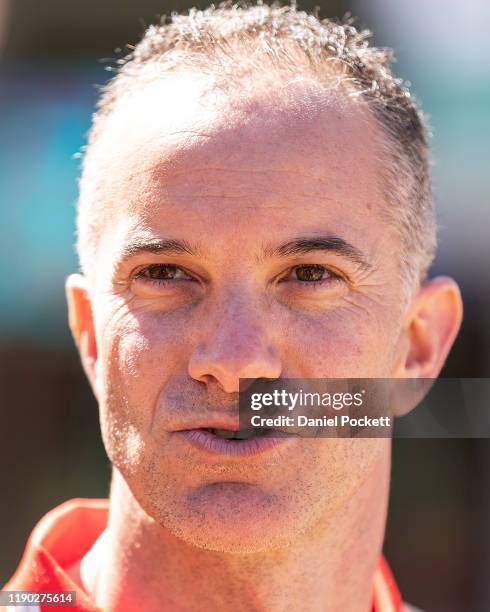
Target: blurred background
53, 55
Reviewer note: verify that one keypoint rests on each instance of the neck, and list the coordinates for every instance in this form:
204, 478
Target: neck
137, 564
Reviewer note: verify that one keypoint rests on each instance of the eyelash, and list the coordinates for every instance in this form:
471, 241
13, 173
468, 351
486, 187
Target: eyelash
332, 277
141, 274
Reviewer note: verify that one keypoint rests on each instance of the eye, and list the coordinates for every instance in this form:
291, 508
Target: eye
161, 273
311, 273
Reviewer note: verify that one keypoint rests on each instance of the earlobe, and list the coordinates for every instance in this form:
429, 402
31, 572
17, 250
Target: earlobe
432, 324
80, 320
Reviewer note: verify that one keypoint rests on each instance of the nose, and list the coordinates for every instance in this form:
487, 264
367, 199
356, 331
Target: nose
235, 343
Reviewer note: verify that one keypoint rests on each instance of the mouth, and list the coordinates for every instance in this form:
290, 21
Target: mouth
234, 442
228, 434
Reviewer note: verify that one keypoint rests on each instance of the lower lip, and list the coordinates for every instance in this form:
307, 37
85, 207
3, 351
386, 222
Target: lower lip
209, 442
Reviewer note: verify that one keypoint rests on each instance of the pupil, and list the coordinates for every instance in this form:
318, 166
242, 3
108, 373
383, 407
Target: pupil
310, 273
162, 272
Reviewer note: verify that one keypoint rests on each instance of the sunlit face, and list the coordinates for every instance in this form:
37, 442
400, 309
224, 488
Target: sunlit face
242, 238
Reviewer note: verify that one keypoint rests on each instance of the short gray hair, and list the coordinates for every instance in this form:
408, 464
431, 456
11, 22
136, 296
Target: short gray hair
288, 39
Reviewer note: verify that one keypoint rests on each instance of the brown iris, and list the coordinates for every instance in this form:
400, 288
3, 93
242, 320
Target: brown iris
312, 272
160, 272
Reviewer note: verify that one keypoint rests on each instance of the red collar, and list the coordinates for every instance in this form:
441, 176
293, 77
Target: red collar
67, 532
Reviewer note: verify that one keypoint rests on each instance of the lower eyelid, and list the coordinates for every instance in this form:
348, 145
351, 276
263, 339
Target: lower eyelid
320, 283
161, 281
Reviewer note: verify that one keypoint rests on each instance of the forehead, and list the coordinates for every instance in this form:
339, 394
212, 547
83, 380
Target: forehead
182, 149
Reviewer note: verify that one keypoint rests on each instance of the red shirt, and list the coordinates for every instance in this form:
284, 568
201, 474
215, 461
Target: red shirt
66, 533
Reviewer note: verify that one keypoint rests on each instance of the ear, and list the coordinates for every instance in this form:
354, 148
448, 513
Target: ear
80, 320
431, 325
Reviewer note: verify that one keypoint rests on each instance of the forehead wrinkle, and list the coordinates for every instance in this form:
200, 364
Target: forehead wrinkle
217, 134
209, 130
198, 183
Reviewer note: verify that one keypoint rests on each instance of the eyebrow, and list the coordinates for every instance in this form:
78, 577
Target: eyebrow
298, 246
164, 247
331, 244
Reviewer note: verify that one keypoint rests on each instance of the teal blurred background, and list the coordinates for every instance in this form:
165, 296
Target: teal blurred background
53, 55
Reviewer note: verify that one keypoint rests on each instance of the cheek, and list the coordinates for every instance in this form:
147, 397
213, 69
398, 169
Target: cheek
340, 343
137, 356
140, 350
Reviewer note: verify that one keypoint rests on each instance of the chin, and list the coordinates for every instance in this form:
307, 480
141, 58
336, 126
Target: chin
232, 517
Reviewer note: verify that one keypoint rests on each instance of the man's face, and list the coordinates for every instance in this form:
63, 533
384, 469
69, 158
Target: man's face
208, 271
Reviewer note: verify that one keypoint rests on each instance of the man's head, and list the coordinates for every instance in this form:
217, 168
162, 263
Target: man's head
254, 202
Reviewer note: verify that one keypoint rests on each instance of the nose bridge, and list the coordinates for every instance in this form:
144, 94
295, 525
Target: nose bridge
242, 316
236, 342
